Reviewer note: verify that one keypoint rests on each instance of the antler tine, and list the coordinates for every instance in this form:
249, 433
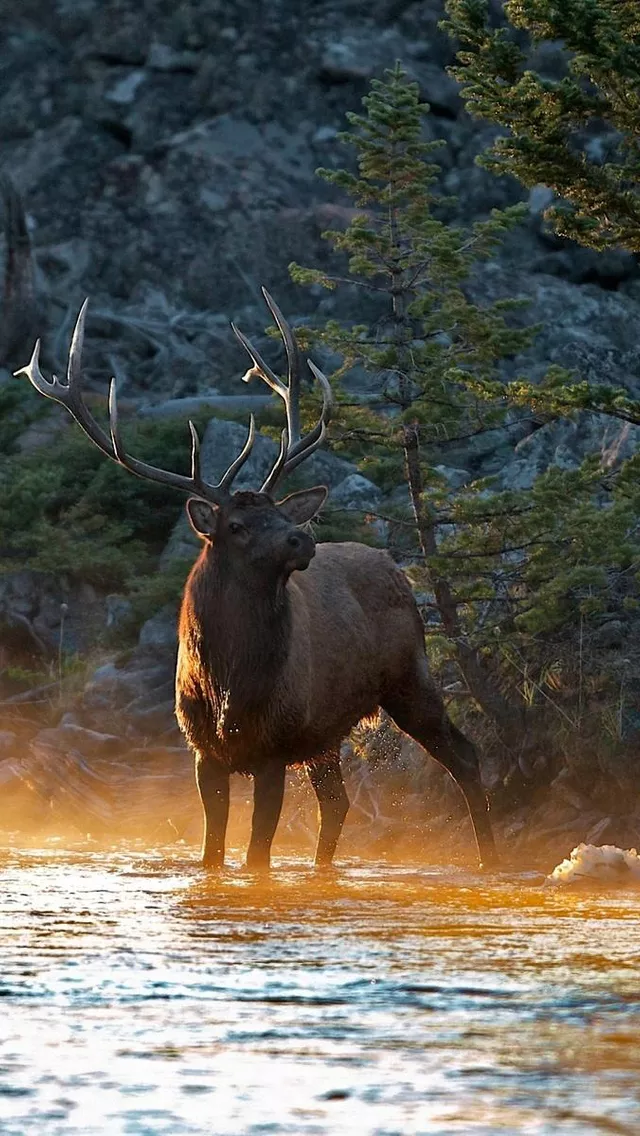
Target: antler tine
241, 458
293, 369
74, 362
195, 453
327, 393
260, 368
293, 448
315, 435
289, 393
310, 448
69, 395
114, 425
298, 445
276, 472
292, 456
194, 484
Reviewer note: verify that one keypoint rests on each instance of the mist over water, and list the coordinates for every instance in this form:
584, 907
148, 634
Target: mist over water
142, 995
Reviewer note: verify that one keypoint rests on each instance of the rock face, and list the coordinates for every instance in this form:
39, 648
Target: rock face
565, 444
167, 154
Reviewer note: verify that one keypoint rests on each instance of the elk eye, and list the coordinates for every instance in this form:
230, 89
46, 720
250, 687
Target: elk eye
234, 527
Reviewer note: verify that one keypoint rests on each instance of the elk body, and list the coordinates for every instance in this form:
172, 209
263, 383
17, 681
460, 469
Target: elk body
285, 644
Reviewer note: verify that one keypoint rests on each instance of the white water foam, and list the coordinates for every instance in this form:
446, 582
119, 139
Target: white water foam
606, 864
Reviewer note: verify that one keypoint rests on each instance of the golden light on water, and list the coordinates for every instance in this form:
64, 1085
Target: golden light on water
141, 994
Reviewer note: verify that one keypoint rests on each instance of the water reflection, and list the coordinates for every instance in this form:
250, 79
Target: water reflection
142, 995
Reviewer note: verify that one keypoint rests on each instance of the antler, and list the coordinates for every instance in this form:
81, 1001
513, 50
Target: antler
294, 449
69, 395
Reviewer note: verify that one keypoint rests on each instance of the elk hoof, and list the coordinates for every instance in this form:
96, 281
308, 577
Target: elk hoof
257, 865
325, 867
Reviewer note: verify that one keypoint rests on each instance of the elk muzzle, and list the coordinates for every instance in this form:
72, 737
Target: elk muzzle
301, 549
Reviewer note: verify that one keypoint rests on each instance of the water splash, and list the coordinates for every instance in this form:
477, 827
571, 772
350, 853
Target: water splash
593, 865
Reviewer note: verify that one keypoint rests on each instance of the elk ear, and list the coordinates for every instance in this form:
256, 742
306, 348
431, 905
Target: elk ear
303, 506
203, 518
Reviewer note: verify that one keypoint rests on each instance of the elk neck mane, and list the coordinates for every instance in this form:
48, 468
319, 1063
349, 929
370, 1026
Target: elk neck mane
240, 633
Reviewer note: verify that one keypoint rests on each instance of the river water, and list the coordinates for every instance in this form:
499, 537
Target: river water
141, 995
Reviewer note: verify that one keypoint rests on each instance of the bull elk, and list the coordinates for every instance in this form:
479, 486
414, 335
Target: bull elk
284, 644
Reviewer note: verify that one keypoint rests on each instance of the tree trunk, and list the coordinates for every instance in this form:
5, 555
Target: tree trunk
507, 718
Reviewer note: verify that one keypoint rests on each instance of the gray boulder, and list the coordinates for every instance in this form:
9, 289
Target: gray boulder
455, 478
111, 687
159, 632
356, 493
566, 443
586, 329
90, 743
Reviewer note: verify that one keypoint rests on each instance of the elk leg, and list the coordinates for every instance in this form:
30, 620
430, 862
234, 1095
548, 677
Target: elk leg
333, 803
213, 786
268, 793
426, 720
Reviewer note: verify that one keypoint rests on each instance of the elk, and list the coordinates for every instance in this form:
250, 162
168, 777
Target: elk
284, 644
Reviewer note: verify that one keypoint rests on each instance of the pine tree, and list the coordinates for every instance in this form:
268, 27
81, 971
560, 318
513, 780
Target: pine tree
432, 343
577, 134
512, 582
550, 121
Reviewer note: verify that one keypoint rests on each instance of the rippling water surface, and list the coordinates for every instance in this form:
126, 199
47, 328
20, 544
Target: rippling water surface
140, 995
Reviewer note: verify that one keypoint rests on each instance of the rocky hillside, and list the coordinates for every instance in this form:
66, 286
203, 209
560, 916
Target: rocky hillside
167, 152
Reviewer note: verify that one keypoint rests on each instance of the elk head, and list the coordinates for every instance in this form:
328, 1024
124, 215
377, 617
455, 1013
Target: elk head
247, 529
258, 532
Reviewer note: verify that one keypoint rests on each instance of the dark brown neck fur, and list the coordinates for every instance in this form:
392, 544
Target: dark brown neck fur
240, 629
